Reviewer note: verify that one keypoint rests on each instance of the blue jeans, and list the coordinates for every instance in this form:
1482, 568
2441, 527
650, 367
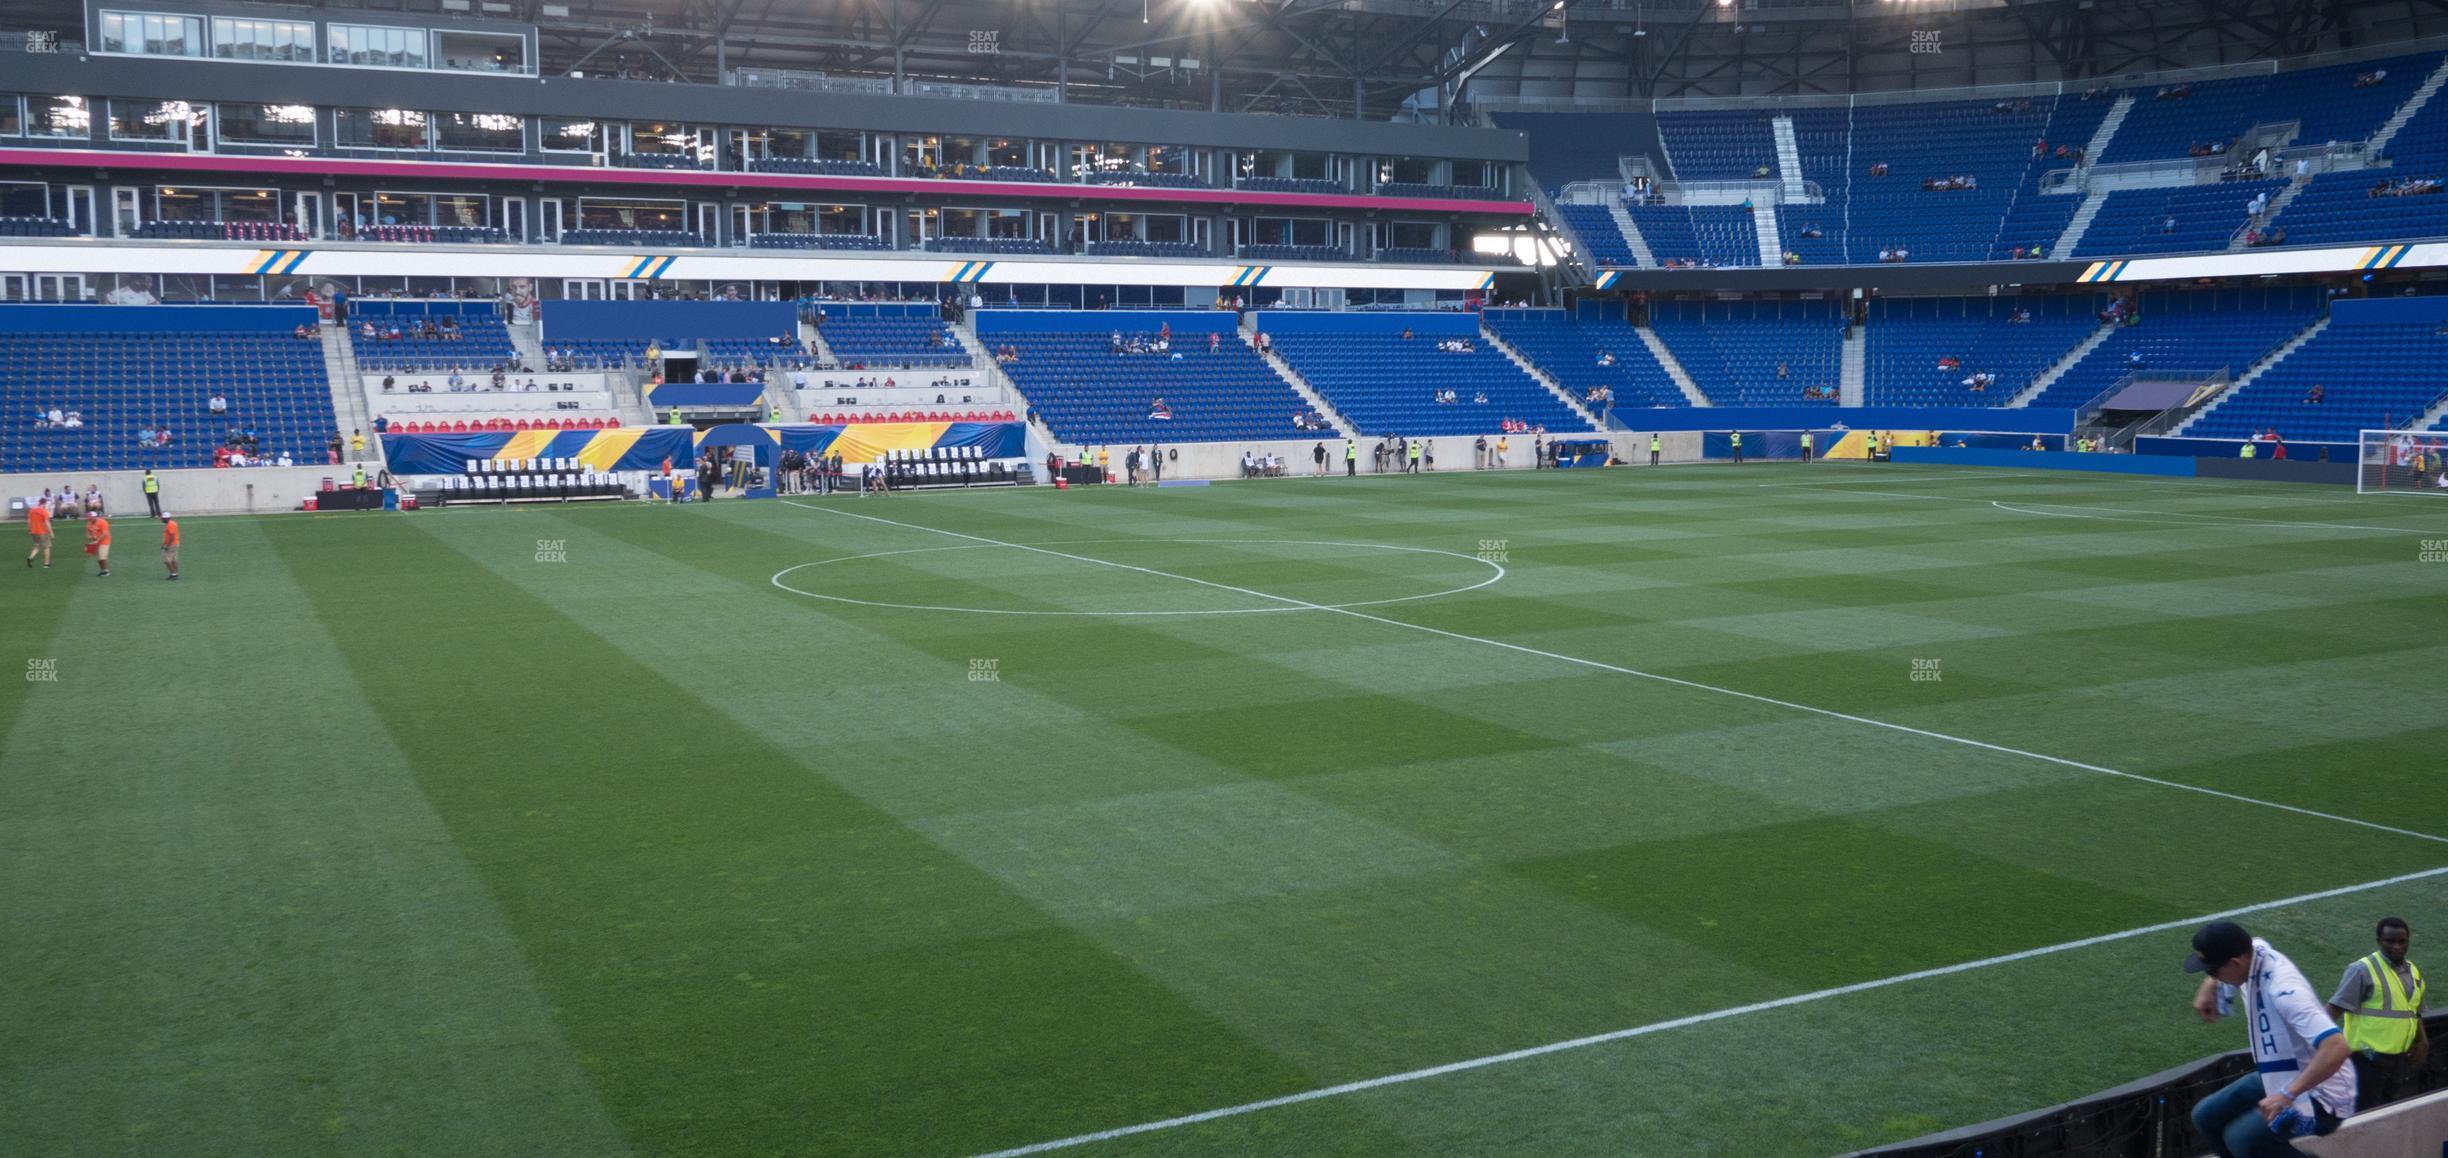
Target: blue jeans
2231, 1121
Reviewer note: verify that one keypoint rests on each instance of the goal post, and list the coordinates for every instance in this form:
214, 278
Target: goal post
2401, 462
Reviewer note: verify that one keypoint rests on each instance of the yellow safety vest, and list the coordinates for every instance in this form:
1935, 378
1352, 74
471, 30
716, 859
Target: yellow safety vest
2386, 1021
1737, 440
2246, 452
1806, 440
152, 485
1653, 444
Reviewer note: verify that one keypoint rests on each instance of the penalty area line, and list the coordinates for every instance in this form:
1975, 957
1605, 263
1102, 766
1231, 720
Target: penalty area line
1675, 681
1656, 1027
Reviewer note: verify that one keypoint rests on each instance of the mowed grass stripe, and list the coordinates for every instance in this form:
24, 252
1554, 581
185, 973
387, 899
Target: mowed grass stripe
235, 927
704, 910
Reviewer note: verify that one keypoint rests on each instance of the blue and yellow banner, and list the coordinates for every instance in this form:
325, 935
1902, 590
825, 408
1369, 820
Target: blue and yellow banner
637, 448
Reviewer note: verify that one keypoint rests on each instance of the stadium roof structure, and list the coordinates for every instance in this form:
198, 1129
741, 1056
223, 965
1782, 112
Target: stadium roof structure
1386, 59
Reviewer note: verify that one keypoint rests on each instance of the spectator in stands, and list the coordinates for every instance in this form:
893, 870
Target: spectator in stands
2313, 396
2169, 225
2368, 79
75, 421
1783, 371
455, 381
217, 406
58, 418
2300, 1083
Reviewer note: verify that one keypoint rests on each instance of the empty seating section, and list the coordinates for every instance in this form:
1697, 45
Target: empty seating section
402, 341
1291, 185
1571, 352
2183, 334
480, 425
987, 245
650, 160
1719, 144
1951, 169
1732, 349
772, 353
2169, 121
35, 227
218, 231
1456, 192
1600, 239
890, 336
2184, 218
1088, 394
1149, 180
1920, 351
631, 237
128, 369
1148, 249
815, 241
1387, 384
2034, 223
1822, 139
433, 234
2376, 204
1718, 235
1409, 255
586, 335
2372, 375
1294, 253
811, 167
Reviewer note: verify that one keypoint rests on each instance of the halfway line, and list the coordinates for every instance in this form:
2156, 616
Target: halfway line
1677, 681
1692, 1020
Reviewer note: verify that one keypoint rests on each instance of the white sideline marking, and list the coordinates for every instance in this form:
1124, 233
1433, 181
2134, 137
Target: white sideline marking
2166, 517
1664, 679
1692, 1020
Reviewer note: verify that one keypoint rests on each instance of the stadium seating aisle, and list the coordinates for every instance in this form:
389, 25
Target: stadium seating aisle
1921, 351
1088, 394
1570, 352
1732, 349
2181, 219
1710, 235
2371, 376
2190, 332
2170, 120
1386, 384
1600, 239
124, 382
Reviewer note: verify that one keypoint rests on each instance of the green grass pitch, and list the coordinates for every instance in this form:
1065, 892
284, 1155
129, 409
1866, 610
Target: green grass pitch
572, 831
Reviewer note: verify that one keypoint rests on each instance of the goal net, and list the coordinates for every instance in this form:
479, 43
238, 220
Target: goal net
2401, 462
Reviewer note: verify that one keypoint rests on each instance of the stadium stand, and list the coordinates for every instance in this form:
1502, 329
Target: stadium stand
987, 245
1569, 147
816, 241
1386, 383
1921, 351
1148, 249
811, 167
1148, 180
2372, 375
219, 231
590, 334
1456, 192
2172, 120
414, 336
1293, 253
1417, 255
1719, 144
36, 227
1711, 235
631, 237
1600, 239
1732, 349
1290, 185
433, 234
1089, 394
1571, 352
879, 336
2387, 204
2187, 334
650, 160
1951, 170
124, 370
2203, 216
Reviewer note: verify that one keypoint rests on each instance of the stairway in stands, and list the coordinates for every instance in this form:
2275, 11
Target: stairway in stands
348, 388
2049, 377
1632, 235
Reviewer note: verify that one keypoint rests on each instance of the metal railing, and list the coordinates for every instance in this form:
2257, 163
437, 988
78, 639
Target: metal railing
796, 80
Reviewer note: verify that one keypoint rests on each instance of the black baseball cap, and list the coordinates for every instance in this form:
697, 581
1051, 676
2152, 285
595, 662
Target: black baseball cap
2216, 944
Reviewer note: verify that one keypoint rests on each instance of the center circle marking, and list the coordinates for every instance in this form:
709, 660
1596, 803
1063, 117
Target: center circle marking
1038, 548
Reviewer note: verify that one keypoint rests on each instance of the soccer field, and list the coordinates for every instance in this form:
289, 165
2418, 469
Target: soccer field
951, 823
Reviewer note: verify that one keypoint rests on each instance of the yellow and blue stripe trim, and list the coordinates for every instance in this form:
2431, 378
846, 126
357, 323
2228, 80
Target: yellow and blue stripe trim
2382, 256
1606, 281
1250, 275
649, 267
2103, 271
968, 271
277, 261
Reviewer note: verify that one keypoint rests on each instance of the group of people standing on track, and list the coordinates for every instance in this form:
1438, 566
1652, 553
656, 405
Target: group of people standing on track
41, 513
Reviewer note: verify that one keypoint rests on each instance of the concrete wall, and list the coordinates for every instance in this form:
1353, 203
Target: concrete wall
188, 492
1215, 460
2405, 1130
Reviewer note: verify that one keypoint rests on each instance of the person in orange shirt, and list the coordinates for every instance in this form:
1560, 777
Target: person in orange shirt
38, 521
170, 542
97, 542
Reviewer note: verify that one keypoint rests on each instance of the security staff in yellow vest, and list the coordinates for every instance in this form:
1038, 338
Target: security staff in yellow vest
1653, 450
359, 480
152, 492
2247, 450
1806, 446
1736, 439
2380, 1004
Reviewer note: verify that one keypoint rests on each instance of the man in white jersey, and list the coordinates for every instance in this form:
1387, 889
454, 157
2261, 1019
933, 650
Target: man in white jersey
2301, 1083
